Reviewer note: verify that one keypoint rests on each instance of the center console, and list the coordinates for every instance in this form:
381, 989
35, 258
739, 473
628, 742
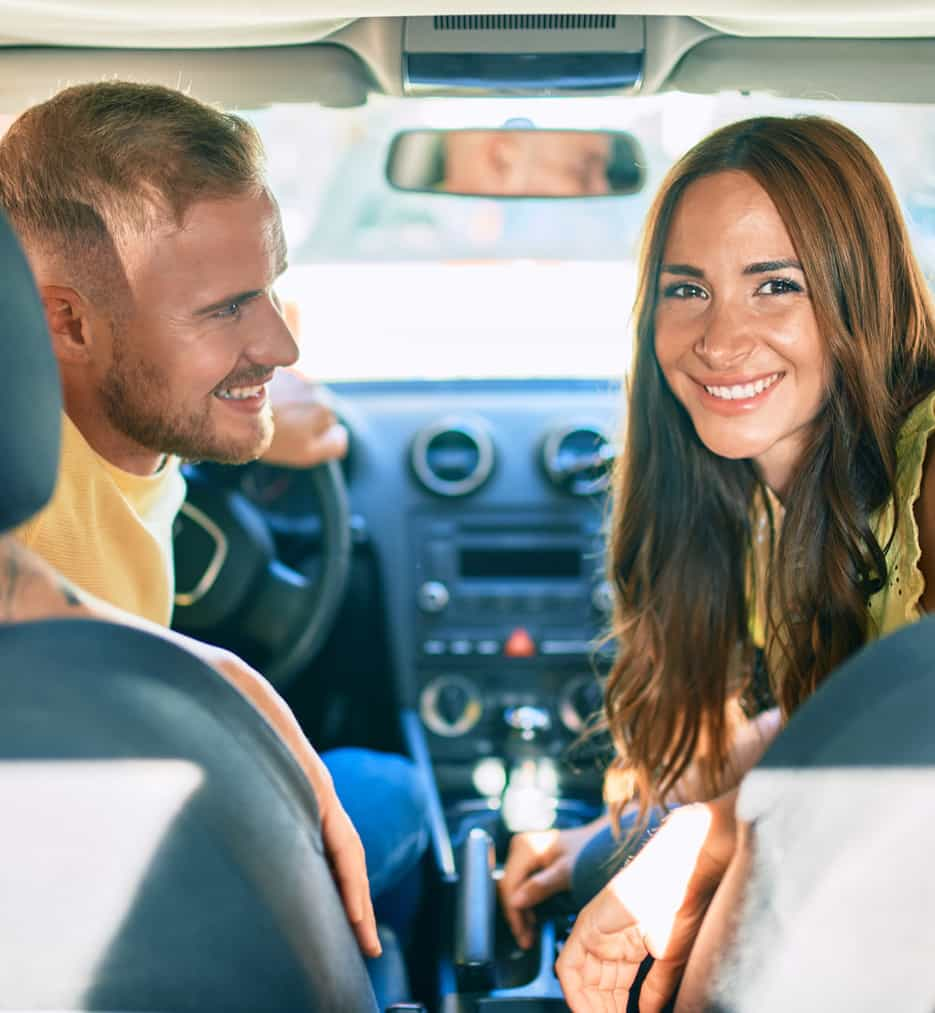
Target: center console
508, 607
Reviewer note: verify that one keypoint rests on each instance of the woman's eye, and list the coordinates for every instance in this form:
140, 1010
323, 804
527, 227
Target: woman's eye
685, 290
779, 286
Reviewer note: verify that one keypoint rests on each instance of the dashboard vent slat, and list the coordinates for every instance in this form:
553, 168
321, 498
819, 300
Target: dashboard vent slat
524, 22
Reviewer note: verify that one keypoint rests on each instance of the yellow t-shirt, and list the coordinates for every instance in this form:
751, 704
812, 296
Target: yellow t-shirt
897, 603
108, 531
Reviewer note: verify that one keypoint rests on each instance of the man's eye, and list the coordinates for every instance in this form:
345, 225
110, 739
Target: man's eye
685, 290
229, 312
779, 286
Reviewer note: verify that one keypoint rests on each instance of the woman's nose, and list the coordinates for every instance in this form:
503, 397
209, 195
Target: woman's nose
726, 339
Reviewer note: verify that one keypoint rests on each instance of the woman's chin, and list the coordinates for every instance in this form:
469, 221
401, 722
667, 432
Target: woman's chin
732, 448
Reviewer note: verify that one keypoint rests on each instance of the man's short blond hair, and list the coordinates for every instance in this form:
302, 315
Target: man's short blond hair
98, 161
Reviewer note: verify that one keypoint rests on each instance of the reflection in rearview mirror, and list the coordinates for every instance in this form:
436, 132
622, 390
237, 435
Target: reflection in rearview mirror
516, 163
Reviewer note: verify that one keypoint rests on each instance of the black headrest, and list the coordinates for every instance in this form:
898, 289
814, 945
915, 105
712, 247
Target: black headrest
31, 406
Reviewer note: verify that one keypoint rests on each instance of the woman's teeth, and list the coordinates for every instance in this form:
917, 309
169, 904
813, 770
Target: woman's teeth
240, 393
743, 390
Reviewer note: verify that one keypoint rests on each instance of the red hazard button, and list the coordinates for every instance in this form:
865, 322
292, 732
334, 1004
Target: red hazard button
519, 644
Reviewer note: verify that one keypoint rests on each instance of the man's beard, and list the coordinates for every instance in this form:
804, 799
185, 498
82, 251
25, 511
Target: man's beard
136, 398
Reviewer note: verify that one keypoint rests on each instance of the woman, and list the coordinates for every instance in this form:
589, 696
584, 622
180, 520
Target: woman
774, 496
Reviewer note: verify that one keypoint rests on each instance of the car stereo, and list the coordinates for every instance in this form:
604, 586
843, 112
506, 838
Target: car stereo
509, 608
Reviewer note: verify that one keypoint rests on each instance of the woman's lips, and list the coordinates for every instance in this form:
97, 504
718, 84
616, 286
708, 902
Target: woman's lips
739, 396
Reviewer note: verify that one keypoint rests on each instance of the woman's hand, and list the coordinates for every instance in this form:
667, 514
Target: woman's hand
539, 865
653, 907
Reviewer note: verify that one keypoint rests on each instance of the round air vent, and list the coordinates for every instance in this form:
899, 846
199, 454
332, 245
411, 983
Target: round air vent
453, 457
578, 458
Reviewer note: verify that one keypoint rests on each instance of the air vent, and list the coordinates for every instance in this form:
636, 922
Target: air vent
525, 22
453, 457
578, 458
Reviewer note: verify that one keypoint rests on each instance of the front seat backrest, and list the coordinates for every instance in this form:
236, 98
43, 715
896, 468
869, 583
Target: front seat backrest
160, 848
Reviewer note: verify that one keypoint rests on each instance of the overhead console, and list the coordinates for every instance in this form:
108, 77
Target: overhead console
523, 54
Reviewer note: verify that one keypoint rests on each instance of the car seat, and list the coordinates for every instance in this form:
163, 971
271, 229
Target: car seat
160, 848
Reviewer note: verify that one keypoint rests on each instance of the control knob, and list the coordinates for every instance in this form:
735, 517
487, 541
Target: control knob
450, 705
581, 699
451, 702
602, 598
433, 596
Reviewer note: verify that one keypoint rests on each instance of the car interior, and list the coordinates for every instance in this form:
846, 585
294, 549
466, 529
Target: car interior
441, 591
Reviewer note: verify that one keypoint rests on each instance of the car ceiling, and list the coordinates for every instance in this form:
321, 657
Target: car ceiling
336, 52
209, 23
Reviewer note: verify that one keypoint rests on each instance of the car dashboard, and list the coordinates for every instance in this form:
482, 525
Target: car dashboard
479, 511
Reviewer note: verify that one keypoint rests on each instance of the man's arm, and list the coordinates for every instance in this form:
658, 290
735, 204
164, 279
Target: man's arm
30, 589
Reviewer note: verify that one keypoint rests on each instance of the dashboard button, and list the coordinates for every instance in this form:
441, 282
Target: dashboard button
519, 644
461, 647
488, 647
433, 648
572, 647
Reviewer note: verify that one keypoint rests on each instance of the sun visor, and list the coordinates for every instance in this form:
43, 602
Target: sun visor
523, 54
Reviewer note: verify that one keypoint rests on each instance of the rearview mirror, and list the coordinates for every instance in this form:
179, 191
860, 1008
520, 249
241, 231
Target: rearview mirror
517, 163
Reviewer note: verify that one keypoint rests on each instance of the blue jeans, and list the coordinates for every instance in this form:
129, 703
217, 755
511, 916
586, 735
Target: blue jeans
384, 797
605, 855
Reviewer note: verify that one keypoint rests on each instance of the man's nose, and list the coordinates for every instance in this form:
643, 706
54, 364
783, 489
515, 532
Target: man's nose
726, 339
274, 345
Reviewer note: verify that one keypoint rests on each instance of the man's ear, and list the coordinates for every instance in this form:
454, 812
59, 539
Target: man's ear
66, 313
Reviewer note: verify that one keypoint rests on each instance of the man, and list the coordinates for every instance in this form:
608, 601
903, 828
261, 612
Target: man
156, 244
527, 163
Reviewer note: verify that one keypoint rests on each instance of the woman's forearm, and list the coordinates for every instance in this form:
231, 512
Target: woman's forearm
751, 740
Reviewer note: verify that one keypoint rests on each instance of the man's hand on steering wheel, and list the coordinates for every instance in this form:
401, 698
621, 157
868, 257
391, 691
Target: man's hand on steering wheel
307, 432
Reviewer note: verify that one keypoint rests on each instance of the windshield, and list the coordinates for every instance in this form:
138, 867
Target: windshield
393, 285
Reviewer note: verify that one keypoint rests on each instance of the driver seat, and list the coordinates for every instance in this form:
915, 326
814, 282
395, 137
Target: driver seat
161, 849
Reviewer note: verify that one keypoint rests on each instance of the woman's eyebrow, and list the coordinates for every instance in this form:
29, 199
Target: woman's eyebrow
766, 266
687, 269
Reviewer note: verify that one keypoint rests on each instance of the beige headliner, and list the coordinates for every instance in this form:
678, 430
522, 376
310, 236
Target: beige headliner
221, 23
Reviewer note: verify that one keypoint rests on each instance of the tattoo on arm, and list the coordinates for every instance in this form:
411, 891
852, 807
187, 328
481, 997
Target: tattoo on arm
29, 589
72, 599
10, 581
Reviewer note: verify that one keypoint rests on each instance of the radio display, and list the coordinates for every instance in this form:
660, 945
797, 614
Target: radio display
521, 563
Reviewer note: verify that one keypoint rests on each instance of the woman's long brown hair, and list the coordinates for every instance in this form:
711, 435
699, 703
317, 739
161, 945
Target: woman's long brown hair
681, 539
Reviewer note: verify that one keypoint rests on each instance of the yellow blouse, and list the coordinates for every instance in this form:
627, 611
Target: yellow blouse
897, 603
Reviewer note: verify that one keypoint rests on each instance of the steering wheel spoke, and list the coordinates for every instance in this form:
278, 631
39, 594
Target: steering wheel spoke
231, 585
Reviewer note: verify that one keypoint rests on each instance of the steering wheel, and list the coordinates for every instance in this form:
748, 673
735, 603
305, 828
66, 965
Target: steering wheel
230, 585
